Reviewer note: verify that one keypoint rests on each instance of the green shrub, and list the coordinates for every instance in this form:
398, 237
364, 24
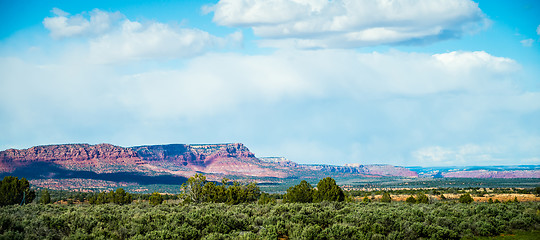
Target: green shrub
411, 199
312, 232
45, 197
386, 198
266, 199
322, 220
466, 198
156, 199
366, 199
422, 198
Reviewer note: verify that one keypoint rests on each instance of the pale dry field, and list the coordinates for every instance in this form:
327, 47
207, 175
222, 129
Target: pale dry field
501, 197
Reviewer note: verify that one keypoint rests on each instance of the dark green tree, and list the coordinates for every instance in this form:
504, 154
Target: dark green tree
211, 192
236, 194
266, 199
45, 197
122, 197
215, 193
443, 197
241, 193
221, 190
252, 192
119, 197
328, 190
466, 198
422, 198
197, 190
411, 199
366, 199
386, 198
301, 193
192, 190
13, 191
156, 199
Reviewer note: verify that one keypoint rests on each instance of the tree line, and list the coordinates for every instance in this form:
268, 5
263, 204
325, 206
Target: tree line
197, 189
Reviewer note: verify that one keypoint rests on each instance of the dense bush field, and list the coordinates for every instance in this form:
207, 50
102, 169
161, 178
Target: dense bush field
323, 220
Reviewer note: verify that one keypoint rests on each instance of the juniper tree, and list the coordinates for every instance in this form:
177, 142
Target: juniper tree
15, 191
328, 190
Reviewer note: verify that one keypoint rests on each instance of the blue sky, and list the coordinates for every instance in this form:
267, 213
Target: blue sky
430, 83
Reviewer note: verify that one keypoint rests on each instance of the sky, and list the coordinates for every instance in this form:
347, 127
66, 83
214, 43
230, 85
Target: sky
403, 82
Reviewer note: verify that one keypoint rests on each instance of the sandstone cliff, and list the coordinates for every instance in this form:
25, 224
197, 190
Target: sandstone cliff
222, 159
101, 158
178, 159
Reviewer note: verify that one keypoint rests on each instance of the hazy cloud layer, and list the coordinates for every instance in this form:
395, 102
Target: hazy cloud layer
101, 77
310, 106
347, 24
455, 156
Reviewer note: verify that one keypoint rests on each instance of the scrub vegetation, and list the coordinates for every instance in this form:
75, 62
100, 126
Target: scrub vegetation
206, 210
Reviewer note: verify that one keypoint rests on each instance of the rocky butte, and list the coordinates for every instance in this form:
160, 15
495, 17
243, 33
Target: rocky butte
173, 163
215, 160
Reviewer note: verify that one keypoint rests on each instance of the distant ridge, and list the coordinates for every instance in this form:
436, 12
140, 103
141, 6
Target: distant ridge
170, 163
496, 171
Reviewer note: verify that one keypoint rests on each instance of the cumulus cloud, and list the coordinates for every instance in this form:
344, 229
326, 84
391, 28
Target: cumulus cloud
527, 42
113, 38
64, 25
461, 61
135, 41
345, 24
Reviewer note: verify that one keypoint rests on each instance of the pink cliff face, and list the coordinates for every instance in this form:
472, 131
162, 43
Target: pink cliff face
216, 160
233, 160
224, 159
70, 156
178, 159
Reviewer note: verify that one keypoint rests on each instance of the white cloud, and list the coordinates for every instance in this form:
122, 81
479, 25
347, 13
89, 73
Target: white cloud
234, 79
460, 62
538, 30
527, 42
64, 25
113, 38
457, 156
135, 41
217, 81
344, 24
